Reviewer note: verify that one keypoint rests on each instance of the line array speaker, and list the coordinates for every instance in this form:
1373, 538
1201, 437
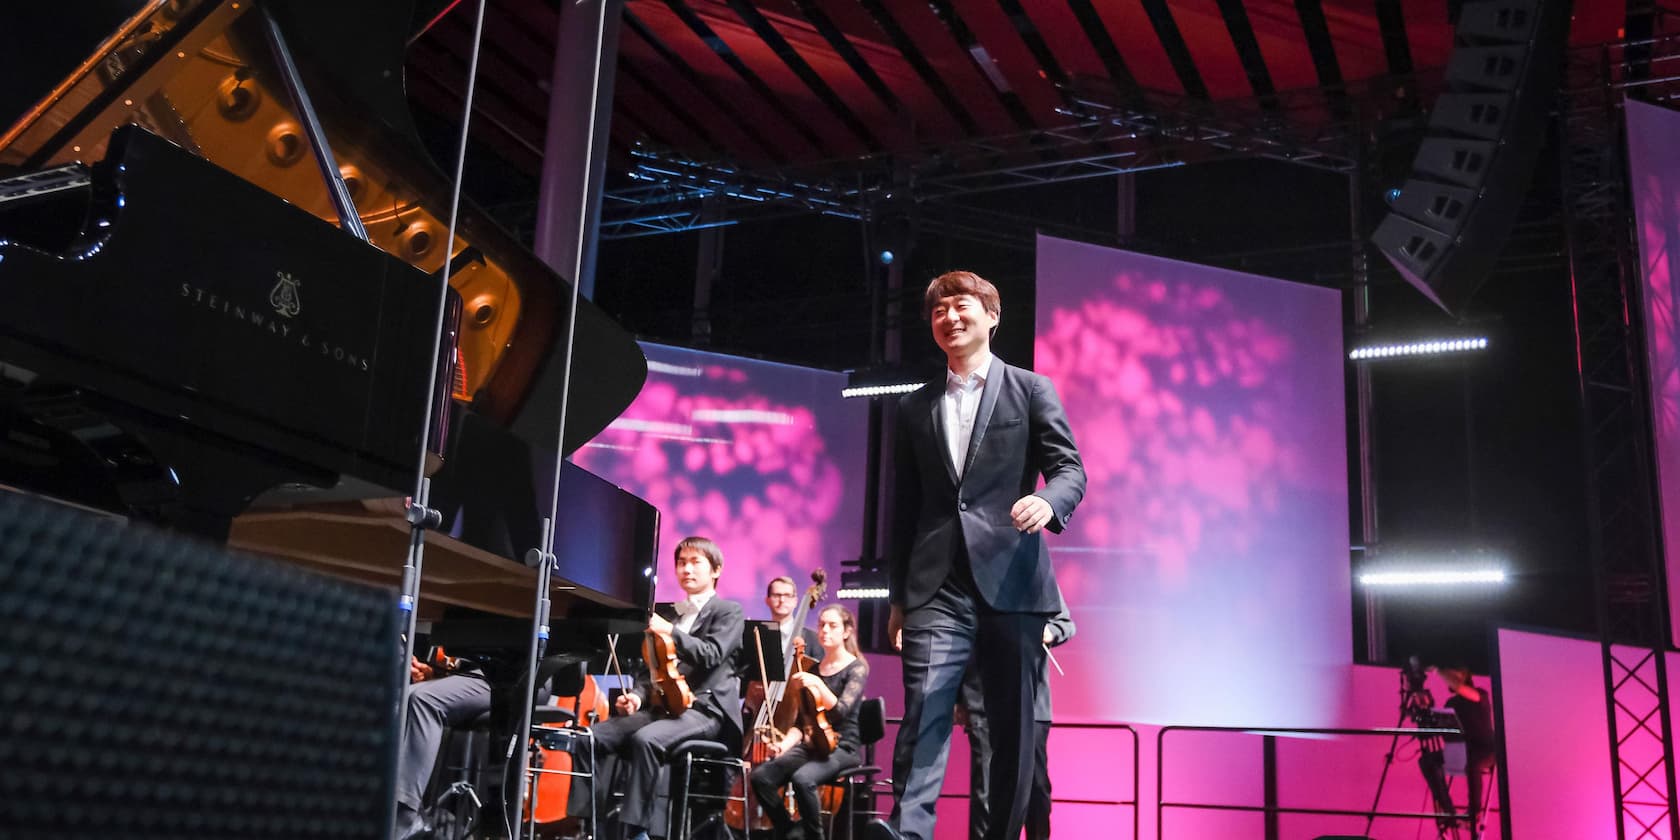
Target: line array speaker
1473, 168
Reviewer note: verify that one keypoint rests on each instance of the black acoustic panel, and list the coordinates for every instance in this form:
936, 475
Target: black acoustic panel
156, 687
1443, 207
1493, 68
1513, 21
1484, 115
1458, 160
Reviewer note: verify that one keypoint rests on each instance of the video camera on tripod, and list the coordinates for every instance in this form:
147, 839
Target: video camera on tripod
1416, 701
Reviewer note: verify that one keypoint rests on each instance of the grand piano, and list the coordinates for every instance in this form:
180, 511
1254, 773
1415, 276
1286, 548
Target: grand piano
221, 244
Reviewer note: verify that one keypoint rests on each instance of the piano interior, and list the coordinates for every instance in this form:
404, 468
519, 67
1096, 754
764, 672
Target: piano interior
319, 481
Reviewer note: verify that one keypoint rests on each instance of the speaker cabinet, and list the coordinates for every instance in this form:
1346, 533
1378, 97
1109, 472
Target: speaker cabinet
1472, 170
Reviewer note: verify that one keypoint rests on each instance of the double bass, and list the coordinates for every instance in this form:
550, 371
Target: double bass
775, 717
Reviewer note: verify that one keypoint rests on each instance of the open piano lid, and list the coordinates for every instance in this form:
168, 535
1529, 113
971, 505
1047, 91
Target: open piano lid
199, 74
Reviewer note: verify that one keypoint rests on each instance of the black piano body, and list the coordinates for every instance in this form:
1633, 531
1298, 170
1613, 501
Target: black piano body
188, 336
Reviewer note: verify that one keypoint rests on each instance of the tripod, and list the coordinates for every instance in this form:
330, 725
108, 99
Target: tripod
1416, 703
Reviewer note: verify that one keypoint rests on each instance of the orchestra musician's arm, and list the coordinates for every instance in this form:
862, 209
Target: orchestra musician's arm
717, 645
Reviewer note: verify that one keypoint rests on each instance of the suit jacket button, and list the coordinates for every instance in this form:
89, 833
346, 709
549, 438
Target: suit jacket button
962, 506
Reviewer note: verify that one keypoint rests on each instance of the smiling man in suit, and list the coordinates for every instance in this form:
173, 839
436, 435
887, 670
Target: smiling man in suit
706, 634
969, 569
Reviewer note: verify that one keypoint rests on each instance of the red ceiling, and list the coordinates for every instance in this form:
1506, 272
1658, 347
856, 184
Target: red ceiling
697, 77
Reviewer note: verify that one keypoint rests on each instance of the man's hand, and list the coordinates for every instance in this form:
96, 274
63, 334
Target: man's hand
658, 624
1030, 514
418, 671
1049, 636
628, 703
895, 627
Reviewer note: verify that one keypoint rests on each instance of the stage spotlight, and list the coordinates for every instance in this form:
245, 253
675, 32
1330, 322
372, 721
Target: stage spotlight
886, 380
886, 257
1432, 577
867, 593
1432, 347
863, 584
879, 390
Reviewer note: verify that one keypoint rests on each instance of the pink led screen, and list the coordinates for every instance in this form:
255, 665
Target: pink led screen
1208, 566
764, 458
1654, 171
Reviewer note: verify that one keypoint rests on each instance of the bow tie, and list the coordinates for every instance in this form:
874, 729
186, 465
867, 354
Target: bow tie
686, 607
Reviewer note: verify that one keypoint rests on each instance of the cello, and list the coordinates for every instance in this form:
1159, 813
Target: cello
550, 792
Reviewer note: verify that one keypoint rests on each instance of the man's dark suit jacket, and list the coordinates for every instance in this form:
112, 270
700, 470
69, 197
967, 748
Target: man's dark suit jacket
706, 659
1020, 433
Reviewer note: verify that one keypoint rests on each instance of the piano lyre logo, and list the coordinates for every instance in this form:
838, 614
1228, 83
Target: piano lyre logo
284, 296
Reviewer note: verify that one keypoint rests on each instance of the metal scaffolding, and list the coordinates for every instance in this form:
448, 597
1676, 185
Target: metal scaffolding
1624, 526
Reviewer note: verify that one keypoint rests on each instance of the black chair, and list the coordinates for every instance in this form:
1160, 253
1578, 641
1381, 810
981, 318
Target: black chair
714, 761
861, 781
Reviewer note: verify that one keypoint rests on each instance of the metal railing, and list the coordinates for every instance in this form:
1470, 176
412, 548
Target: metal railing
1270, 809
1133, 803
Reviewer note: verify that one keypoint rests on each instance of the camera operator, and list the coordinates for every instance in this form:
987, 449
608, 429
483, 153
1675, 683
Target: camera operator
1474, 709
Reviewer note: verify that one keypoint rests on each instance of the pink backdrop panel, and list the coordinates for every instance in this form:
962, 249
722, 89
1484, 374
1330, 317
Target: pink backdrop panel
764, 458
1208, 565
1557, 746
1654, 173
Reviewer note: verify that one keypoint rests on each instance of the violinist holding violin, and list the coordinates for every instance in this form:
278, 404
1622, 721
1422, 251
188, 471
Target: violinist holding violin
836, 687
644, 729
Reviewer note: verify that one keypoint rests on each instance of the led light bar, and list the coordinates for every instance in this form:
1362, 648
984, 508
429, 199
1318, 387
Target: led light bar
863, 593
1432, 577
880, 390
1419, 348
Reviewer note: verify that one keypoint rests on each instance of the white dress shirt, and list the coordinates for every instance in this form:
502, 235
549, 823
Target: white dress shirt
960, 404
688, 608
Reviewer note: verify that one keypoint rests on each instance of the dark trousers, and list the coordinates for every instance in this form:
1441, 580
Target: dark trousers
980, 760
434, 705
803, 772
940, 638
1477, 765
641, 741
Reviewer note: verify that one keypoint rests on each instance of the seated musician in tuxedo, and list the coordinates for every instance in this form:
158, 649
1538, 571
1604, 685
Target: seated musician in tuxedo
706, 634
838, 683
972, 715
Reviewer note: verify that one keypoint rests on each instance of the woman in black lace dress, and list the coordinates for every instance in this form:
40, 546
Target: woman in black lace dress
839, 681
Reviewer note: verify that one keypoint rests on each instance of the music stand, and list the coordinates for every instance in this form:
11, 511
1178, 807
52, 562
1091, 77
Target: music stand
769, 635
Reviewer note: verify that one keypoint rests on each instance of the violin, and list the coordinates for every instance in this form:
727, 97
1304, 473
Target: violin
811, 711
670, 689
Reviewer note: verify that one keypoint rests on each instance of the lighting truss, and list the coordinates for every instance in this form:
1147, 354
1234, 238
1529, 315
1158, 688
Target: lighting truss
1624, 535
1107, 134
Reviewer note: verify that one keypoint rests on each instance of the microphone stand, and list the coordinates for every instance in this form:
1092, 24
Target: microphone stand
542, 557
418, 512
